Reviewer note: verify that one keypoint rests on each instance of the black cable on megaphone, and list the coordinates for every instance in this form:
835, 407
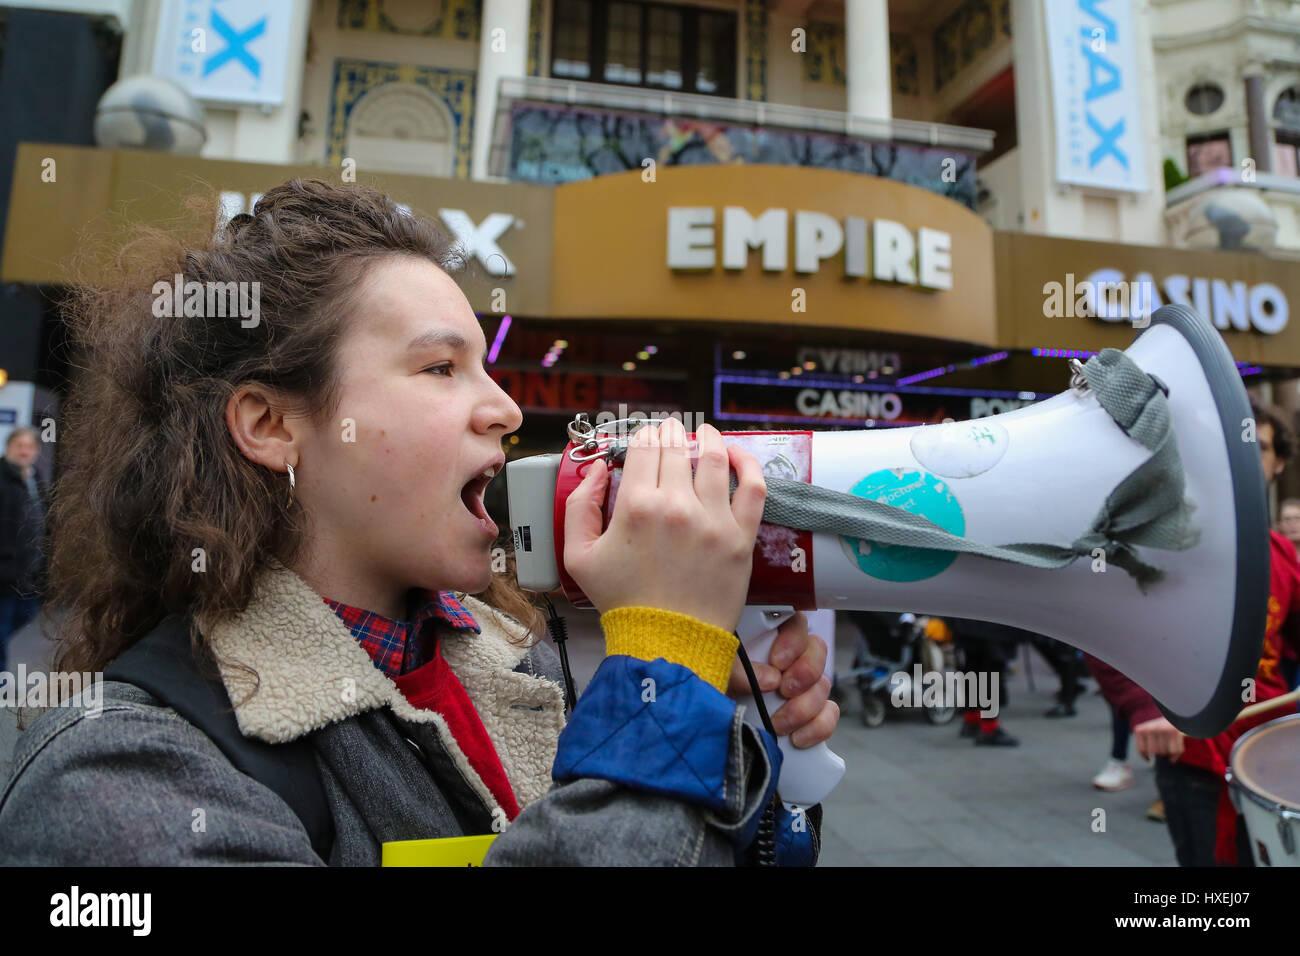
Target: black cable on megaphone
765, 842
559, 631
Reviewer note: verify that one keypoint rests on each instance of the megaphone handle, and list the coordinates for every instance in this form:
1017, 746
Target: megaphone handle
807, 776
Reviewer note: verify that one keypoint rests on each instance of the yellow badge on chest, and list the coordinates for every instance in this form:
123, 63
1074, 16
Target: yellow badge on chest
452, 851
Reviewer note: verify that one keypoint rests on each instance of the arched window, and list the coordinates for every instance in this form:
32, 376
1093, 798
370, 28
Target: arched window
402, 128
1286, 111
1286, 136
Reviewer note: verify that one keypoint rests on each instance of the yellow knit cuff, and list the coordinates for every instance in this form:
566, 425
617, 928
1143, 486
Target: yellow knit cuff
648, 633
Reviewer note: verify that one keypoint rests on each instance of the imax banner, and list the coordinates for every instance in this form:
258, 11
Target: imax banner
226, 51
1095, 93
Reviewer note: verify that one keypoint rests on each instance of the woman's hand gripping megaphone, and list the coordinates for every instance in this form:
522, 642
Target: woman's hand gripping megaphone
673, 543
679, 544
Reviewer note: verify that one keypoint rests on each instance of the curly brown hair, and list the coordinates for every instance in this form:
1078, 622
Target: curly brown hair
150, 471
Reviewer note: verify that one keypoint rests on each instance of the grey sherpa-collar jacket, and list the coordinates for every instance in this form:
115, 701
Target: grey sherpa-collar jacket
138, 784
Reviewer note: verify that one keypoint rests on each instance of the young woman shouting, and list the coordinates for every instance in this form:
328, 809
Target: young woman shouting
289, 506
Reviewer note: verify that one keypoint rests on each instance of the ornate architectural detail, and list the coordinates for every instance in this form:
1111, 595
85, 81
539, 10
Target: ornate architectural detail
449, 19
756, 50
353, 79
967, 32
536, 11
902, 55
826, 59
401, 111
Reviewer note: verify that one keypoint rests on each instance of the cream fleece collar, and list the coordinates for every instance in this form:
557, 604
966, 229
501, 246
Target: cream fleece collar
308, 671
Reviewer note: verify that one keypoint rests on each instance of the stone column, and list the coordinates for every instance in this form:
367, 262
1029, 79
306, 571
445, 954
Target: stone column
1261, 137
503, 51
866, 50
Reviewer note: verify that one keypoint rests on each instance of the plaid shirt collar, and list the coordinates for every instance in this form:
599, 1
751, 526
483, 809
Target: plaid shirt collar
399, 647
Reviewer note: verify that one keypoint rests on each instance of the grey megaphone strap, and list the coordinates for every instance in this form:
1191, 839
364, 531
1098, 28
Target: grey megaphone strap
1146, 508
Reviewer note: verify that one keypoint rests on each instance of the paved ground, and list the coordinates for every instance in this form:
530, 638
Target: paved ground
918, 795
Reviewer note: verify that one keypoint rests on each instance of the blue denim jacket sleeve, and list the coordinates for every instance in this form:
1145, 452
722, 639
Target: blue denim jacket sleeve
657, 727
656, 767
664, 741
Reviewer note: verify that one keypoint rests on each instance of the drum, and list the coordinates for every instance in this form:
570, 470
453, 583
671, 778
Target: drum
1264, 783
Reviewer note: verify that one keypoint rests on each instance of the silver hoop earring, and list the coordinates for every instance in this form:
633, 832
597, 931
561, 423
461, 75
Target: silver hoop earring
293, 481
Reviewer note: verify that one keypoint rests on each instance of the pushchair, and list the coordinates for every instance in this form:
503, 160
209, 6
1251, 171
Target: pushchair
888, 648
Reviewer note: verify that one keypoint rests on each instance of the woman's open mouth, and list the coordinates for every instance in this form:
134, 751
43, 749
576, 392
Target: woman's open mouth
472, 497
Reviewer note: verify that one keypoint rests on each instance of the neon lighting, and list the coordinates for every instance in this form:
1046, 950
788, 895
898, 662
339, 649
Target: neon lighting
808, 381
1063, 353
499, 340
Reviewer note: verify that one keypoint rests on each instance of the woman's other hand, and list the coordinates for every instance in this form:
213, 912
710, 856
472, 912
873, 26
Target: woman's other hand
797, 671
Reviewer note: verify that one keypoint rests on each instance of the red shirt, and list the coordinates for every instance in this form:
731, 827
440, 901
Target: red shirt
1291, 629
410, 655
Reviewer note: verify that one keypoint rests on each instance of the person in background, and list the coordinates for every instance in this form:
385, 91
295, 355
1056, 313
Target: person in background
1288, 520
987, 647
1288, 523
1203, 824
1116, 775
23, 502
1064, 660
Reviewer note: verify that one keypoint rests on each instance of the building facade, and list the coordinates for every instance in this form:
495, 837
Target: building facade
759, 212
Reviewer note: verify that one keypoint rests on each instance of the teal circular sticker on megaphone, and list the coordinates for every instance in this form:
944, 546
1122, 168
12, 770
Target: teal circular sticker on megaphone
920, 493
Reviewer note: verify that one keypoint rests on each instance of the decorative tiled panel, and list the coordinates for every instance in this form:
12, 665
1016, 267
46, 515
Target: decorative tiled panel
536, 11
553, 144
825, 59
449, 19
353, 79
902, 56
756, 50
967, 32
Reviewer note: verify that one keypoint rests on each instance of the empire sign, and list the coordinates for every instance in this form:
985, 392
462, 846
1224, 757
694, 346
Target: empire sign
879, 249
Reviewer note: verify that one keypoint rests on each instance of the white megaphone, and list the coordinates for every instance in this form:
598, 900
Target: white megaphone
1040, 474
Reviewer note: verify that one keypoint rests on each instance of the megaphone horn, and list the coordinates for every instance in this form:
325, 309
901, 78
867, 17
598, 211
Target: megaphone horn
1126, 516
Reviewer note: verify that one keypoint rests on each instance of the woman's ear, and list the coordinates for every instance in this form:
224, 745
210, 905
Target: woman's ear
261, 430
